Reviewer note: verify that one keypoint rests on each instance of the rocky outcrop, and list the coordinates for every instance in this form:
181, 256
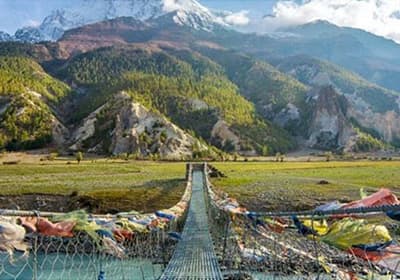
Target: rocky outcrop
222, 133
85, 130
125, 126
60, 133
370, 108
329, 127
288, 114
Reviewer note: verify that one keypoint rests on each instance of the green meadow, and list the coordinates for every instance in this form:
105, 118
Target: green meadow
148, 186
113, 184
300, 185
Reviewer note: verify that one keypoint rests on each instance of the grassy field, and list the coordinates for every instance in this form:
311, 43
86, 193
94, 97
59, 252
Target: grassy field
296, 185
105, 185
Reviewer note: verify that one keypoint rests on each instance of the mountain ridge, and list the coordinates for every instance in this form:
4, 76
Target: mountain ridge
233, 101
185, 13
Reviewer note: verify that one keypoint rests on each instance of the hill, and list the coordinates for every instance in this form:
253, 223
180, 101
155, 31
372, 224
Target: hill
26, 95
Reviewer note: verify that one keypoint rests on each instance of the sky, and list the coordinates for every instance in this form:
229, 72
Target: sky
381, 17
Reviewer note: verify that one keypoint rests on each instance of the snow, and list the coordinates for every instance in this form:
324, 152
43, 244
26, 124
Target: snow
4, 36
188, 12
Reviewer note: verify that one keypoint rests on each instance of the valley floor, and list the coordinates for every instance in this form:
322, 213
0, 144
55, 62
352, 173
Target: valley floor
98, 184
113, 185
268, 186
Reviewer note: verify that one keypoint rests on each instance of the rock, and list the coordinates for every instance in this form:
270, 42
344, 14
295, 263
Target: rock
289, 113
329, 128
222, 132
323, 182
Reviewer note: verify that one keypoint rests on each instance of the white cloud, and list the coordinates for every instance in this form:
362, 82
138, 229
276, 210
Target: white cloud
32, 23
238, 19
380, 17
171, 5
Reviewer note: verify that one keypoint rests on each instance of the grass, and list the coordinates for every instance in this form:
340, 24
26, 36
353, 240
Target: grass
148, 186
142, 186
295, 185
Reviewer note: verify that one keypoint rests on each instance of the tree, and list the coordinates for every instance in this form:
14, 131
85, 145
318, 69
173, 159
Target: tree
79, 157
264, 151
328, 156
279, 157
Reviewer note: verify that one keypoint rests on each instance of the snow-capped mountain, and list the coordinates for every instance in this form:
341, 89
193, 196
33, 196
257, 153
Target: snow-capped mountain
5, 36
187, 12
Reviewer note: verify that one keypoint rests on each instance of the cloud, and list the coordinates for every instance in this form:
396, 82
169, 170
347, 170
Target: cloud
171, 5
381, 17
238, 19
32, 23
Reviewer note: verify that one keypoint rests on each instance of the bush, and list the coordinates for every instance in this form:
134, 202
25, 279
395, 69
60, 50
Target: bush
52, 156
79, 157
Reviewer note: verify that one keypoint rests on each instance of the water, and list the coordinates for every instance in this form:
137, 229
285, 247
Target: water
59, 266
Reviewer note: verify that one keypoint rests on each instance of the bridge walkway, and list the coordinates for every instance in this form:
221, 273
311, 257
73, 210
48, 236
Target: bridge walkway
194, 257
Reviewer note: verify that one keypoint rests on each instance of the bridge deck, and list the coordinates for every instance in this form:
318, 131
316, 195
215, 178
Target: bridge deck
194, 257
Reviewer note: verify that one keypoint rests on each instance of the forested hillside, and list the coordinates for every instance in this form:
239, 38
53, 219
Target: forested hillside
26, 121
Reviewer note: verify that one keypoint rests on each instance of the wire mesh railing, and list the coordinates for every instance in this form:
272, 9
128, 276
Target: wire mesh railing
67, 246
79, 258
353, 243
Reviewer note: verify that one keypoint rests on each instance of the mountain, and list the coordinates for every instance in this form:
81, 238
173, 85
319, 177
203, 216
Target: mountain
185, 92
184, 12
188, 88
5, 37
374, 58
180, 89
32, 116
373, 44
374, 107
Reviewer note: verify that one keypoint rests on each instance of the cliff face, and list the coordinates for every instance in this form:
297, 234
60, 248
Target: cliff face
329, 127
386, 124
370, 108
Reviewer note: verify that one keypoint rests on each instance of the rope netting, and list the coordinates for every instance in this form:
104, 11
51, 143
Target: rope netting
344, 243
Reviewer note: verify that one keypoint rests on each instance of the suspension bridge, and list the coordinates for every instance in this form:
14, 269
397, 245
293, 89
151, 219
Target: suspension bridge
219, 240
194, 257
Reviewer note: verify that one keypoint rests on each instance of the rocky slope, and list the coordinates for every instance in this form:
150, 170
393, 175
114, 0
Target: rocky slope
329, 127
374, 108
131, 128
